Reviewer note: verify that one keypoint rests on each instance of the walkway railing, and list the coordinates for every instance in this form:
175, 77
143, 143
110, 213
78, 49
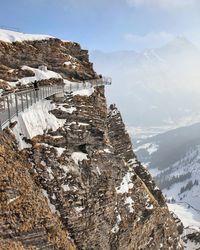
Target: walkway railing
13, 104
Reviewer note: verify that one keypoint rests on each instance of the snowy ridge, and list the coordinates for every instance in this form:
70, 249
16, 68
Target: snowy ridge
13, 36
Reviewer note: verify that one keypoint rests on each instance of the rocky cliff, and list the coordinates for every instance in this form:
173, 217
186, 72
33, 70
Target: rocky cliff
79, 185
68, 59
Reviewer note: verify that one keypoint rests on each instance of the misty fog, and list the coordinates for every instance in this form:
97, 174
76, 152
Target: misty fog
157, 87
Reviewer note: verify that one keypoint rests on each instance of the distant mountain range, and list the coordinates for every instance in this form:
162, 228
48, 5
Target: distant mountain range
155, 87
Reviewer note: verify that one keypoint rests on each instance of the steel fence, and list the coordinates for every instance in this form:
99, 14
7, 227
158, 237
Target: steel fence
13, 104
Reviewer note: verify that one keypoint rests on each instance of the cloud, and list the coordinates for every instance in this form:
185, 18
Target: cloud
164, 4
149, 40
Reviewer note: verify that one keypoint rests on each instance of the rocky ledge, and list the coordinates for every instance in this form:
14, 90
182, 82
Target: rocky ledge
67, 59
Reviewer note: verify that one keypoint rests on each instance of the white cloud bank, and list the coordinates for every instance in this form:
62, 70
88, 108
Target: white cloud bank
164, 4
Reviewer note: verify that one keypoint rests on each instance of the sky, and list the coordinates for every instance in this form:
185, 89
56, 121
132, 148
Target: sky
107, 25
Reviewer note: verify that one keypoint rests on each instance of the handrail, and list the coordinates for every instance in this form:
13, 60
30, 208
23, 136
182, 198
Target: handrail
11, 105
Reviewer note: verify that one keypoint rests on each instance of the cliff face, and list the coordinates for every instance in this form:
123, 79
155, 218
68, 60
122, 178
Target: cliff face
26, 219
78, 186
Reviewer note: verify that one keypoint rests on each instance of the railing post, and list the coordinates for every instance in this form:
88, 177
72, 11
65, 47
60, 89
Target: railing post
22, 102
31, 97
41, 97
39, 94
16, 105
34, 96
8, 104
26, 100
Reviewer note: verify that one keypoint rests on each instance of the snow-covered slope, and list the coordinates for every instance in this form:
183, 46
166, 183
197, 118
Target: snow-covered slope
13, 36
173, 158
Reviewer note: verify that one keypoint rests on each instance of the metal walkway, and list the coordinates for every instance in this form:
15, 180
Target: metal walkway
12, 105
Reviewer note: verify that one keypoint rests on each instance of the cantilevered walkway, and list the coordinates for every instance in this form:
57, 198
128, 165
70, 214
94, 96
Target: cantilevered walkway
13, 104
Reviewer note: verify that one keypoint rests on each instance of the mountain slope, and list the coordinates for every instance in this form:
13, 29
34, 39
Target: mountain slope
174, 160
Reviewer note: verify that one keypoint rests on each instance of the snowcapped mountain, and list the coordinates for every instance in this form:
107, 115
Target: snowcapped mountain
160, 86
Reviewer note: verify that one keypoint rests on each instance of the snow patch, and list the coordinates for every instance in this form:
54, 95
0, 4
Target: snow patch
68, 110
78, 209
129, 202
50, 173
107, 150
150, 147
51, 206
186, 216
39, 75
59, 151
65, 187
126, 184
35, 120
84, 92
67, 63
115, 229
13, 199
13, 36
79, 156
65, 168
98, 170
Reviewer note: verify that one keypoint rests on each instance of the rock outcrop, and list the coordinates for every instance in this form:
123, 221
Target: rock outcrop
26, 221
65, 58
